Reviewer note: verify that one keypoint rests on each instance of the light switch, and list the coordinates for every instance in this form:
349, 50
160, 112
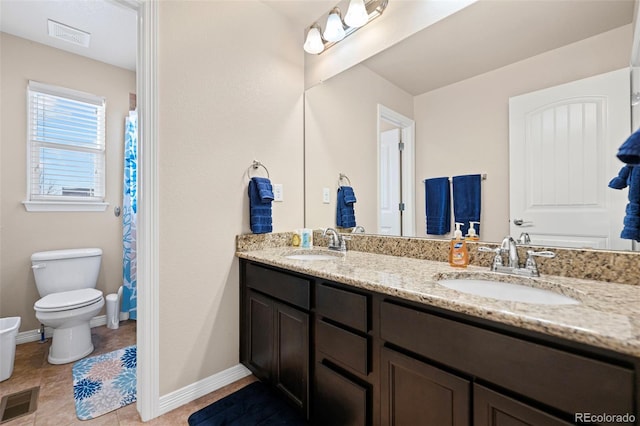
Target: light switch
326, 195
277, 192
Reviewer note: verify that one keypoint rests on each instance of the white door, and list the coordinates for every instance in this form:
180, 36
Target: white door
563, 142
390, 184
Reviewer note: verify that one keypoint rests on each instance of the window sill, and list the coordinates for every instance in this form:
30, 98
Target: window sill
66, 206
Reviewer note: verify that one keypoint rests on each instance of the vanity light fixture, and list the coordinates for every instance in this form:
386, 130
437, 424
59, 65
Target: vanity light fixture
359, 13
334, 31
314, 43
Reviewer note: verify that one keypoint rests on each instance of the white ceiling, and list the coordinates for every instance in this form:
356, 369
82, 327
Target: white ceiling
302, 13
112, 26
486, 35
490, 34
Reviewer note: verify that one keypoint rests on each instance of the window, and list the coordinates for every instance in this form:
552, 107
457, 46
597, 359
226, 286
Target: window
65, 149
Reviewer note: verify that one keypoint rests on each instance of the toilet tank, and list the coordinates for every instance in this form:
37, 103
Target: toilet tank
66, 270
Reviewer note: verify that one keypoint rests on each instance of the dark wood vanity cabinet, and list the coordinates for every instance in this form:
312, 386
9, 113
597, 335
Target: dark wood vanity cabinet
491, 408
343, 387
555, 382
260, 349
414, 392
275, 331
347, 356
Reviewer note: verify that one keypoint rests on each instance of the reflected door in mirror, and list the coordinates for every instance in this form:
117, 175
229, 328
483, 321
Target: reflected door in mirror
390, 183
563, 143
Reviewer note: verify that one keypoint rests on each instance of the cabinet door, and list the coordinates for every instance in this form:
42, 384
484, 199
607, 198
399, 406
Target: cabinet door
415, 393
261, 338
494, 409
338, 401
292, 354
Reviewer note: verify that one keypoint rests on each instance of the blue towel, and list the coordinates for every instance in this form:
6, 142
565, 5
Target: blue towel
621, 181
265, 190
438, 205
349, 196
629, 176
466, 201
260, 197
629, 151
345, 214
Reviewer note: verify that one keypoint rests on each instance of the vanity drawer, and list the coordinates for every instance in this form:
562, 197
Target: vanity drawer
526, 368
343, 306
343, 346
288, 288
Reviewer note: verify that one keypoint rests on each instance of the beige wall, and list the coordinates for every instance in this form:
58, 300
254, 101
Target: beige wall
464, 128
340, 137
230, 91
21, 232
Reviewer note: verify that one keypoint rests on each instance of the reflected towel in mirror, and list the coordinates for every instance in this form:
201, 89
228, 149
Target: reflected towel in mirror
345, 213
629, 151
438, 205
629, 176
466, 200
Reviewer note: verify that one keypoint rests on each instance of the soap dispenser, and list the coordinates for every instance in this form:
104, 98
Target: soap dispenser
458, 253
471, 235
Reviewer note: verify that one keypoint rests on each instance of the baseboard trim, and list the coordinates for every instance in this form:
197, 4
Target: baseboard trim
31, 336
200, 388
34, 335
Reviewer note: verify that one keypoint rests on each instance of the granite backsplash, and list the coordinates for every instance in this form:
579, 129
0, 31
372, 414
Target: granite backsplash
601, 265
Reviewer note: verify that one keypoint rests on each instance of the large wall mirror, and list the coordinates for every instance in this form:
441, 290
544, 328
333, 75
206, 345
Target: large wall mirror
446, 92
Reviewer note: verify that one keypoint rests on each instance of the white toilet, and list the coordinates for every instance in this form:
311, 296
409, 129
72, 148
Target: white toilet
66, 281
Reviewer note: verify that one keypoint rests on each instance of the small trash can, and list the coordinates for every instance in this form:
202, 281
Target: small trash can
113, 309
8, 332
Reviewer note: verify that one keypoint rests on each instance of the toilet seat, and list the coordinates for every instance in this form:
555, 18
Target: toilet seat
68, 300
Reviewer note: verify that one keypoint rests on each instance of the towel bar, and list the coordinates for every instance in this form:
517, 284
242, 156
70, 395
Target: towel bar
483, 177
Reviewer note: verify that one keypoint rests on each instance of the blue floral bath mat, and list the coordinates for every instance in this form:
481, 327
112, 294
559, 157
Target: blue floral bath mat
104, 383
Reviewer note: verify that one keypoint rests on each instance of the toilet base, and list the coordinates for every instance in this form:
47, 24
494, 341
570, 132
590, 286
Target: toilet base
70, 344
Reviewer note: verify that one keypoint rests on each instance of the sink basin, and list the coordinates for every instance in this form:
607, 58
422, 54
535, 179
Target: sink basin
313, 255
508, 291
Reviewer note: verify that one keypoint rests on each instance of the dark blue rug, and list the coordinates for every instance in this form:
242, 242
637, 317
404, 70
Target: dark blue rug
253, 405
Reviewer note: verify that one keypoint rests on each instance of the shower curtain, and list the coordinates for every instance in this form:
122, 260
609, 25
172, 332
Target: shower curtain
129, 214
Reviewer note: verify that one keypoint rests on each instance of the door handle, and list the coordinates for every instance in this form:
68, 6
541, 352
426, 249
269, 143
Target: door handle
521, 222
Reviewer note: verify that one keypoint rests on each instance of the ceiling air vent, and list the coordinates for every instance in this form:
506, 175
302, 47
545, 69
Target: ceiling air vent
68, 34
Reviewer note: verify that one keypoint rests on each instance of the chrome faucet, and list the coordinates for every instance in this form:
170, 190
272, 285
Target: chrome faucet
531, 265
358, 230
508, 246
524, 238
336, 241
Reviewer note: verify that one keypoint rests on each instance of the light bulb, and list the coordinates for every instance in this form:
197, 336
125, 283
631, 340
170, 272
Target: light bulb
313, 44
357, 14
335, 30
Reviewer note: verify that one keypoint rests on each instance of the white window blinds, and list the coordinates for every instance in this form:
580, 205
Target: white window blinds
66, 144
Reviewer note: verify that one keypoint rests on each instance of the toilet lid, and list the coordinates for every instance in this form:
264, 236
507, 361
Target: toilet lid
68, 300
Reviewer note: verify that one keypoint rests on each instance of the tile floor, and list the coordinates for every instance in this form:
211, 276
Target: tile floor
55, 402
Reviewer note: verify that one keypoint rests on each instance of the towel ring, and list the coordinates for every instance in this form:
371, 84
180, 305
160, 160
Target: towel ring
343, 176
255, 166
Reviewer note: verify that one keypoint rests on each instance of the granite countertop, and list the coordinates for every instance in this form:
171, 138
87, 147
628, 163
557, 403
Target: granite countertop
607, 317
